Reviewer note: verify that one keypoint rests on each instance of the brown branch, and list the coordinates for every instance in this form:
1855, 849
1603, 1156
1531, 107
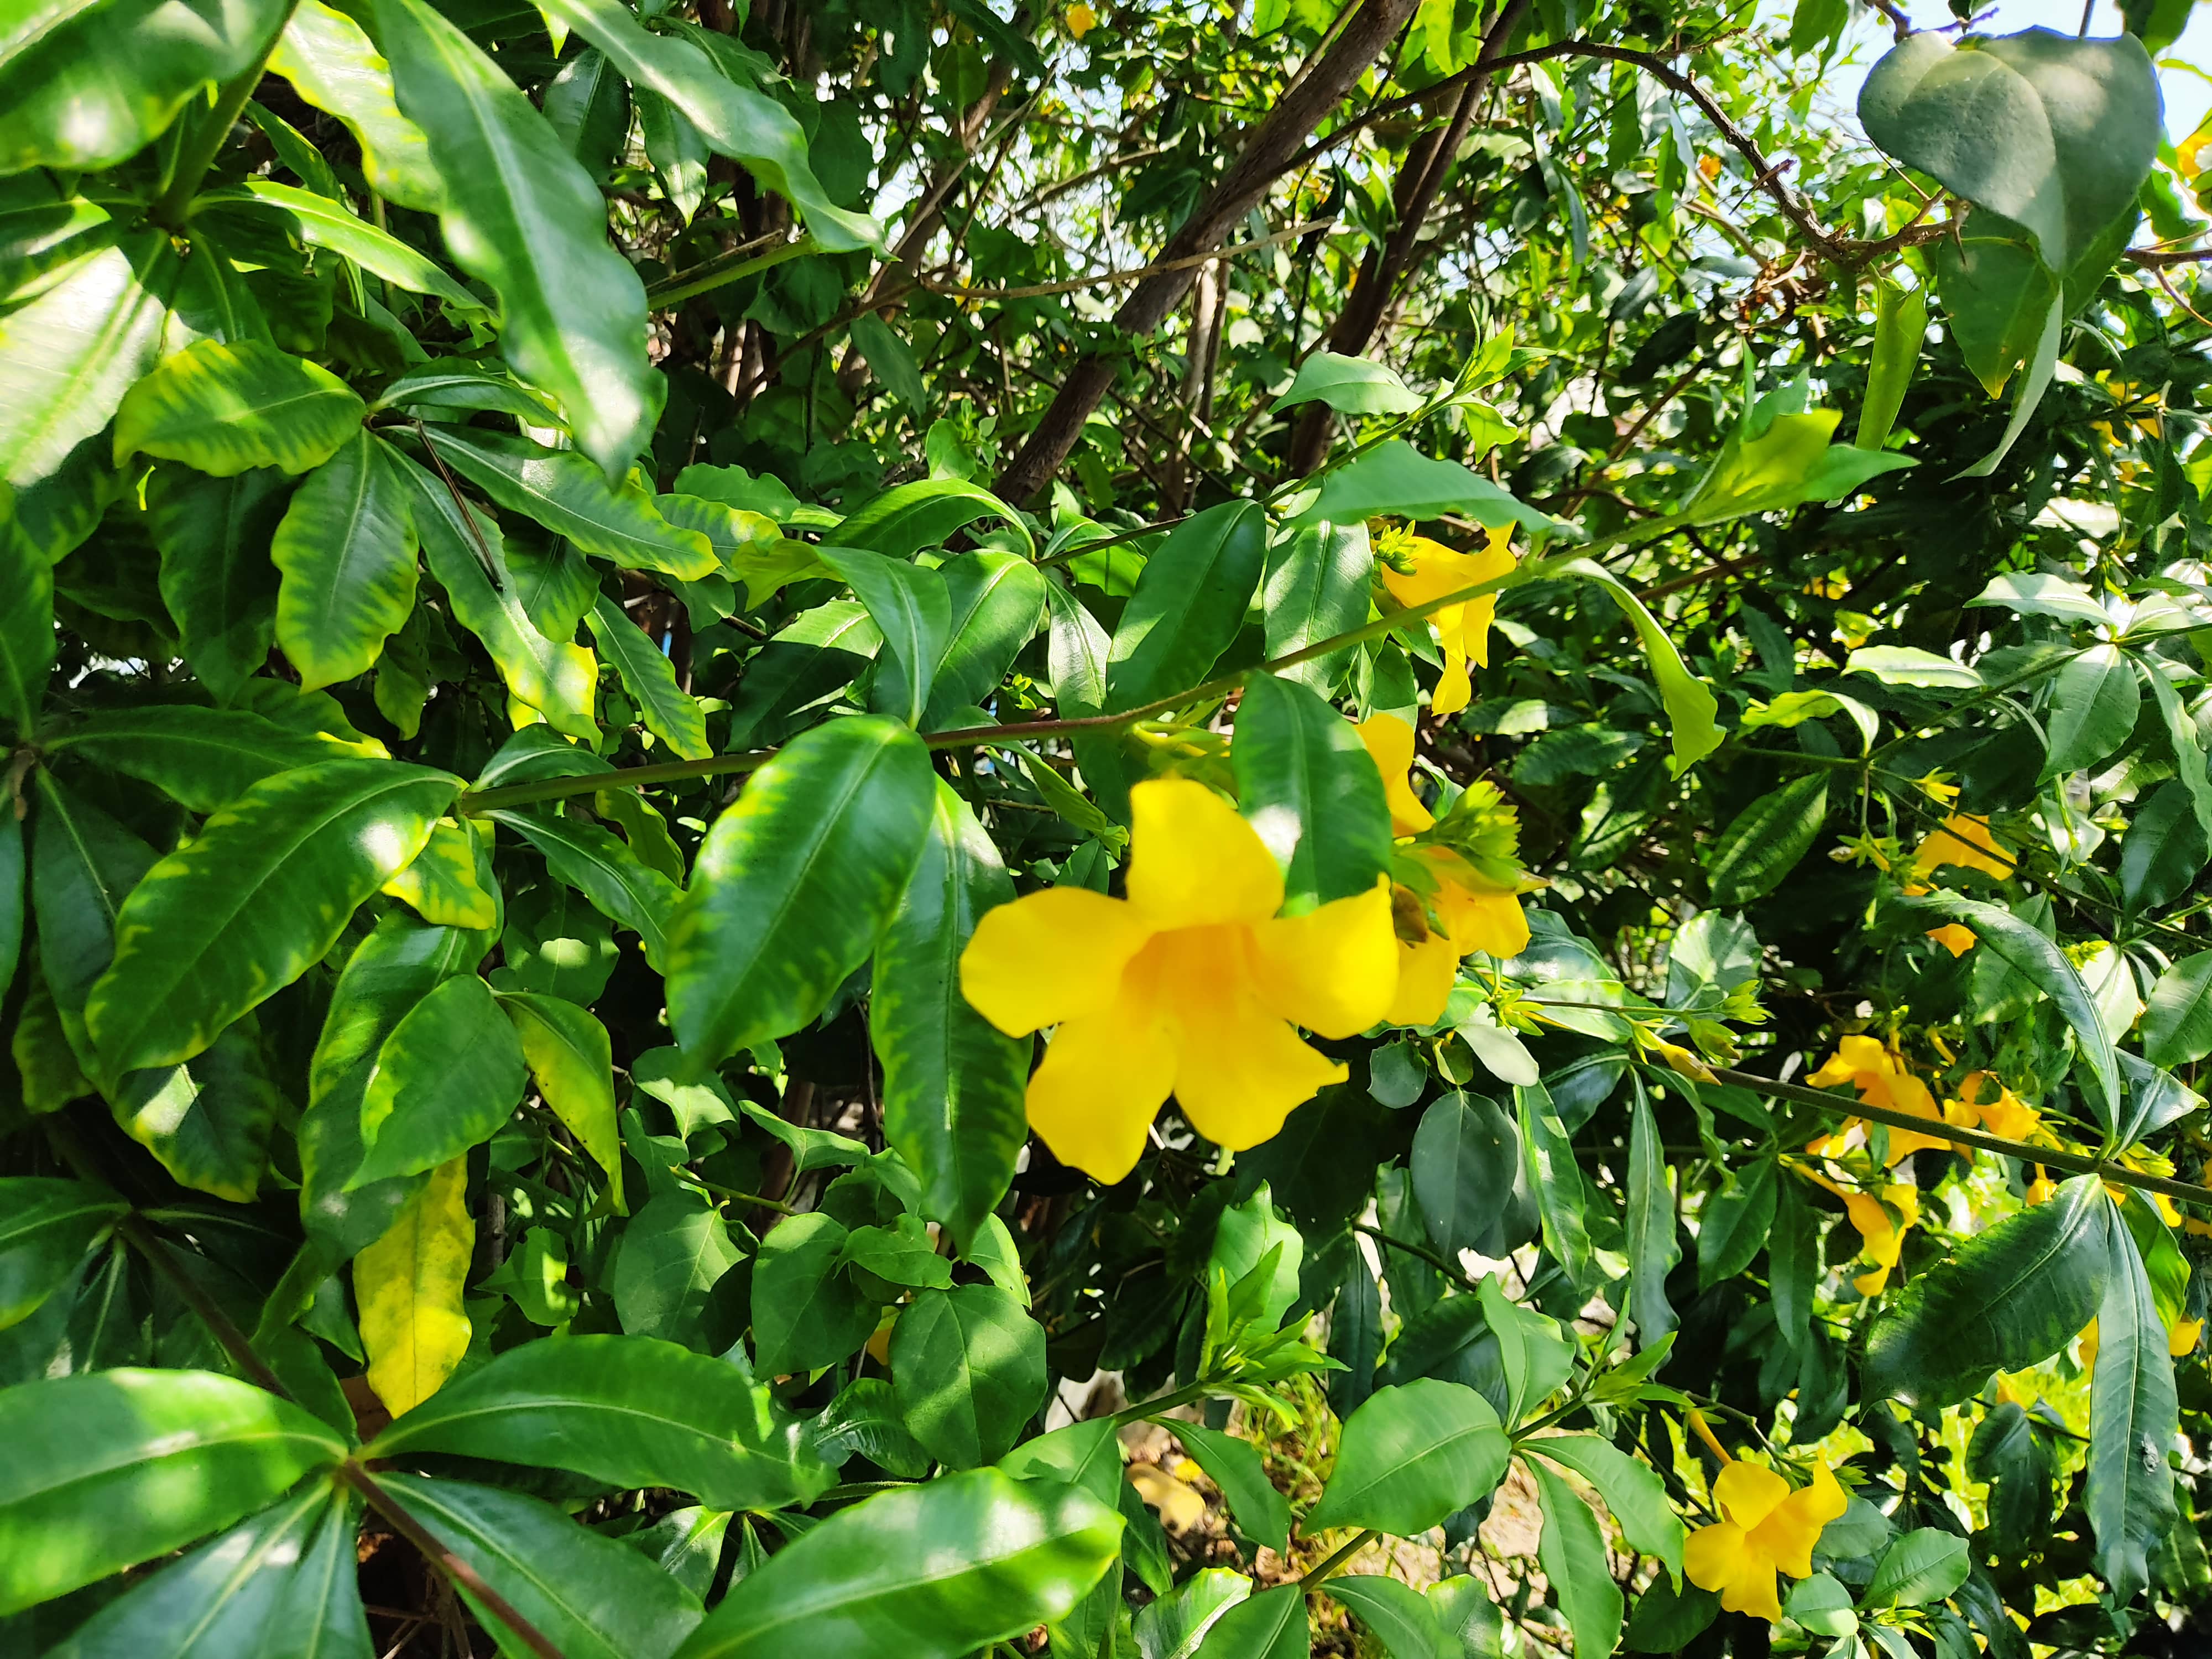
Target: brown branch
1106, 278
1273, 149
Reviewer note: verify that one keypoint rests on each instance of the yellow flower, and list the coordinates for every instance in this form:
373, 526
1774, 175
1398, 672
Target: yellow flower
1463, 630
1955, 937
2181, 1340
1964, 841
1764, 1528
1881, 1236
2040, 1189
1882, 1079
2006, 1115
1190, 986
1471, 912
1080, 19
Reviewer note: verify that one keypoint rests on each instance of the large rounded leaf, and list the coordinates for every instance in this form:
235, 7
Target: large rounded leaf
346, 548
216, 580
226, 409
159, 1458
1410, 1455
626, 1409
968, 1366
931, 1573
255, 899
447, 1078
794, 883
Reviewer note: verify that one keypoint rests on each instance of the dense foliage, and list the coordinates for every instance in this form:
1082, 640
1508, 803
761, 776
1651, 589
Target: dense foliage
914, 830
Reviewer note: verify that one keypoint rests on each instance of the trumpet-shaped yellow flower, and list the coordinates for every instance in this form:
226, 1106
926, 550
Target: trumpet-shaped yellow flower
1472, 912
1765, 1528
1463, 629
1881, 1235
1966, 840
1080, 19
1882, 1079
1190, 987
2005, 1115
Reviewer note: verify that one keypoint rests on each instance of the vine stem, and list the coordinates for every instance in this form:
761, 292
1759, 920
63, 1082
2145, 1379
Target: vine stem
207, 141
2117, 1174
235, 1342
1336, 1559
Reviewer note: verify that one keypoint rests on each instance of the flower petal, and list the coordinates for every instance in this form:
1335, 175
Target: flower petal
1746, 1494
1793, 1531
1713, 1557
1193, 861
1333, 970
1103, 1078
1454, 689
1390, 741
1048, 956
1240, 1069
1481, 922
1427, 972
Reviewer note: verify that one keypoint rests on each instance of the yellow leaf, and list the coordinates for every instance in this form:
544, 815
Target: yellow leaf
408, 1286
442, 884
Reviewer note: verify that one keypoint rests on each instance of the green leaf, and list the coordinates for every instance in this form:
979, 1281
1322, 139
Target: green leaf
2054, 133
592, 1597
47, 1228
98, 84
333, 65
520, 216
1469, 1617
953, 1083
1188, 605
1410, 1456
224, 409
1307, 785
448, 1076
2177, 1024
216, 578
1652, 1251
1269, 1626
1314, 587
162, 1457
1823, 1605
1901, 328
2094, 701
83, 865
556, 679
2189, 757
1689, 701
623, 1409
903, 1255
1234, 1465
891, 359
1395, 477
675, 1251
795, 885
812, 659
2033, 595
997, 600
806, 1314
572, 1058
934, 1571
2003, 934
1784, 463
1573, 1555
1668, 1619
1732, 1229
912, 608
1350, 385
620, 886
902, 521
1636, 1495
1465, 1160
320, 222
209, 1120
281, 1584
2164, 849
563, 491
669, 712
2133, 1419
68, 356
1397, 1615
15, 897
1765, 841
255, 899
2008, 1297
27, 626
1923, 1565
346, 548
738, 121
1172, 1626
969, 1367
1556, 1181
449, 883
864, 1421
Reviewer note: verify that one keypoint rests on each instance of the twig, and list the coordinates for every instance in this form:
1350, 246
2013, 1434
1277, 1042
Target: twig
1104, 278
723, 269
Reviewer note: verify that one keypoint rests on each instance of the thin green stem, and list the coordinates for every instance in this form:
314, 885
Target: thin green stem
1413, 1249
207, 140
1336, 1559
721, 272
